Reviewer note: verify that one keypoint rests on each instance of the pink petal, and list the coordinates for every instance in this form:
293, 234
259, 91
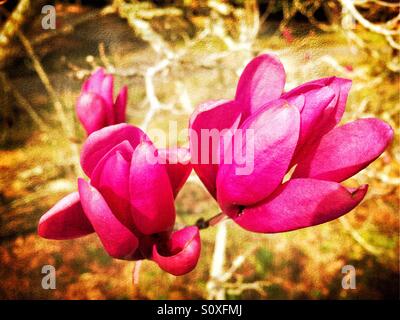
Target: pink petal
94, 82
304, 88
91, 112
346, 150
210, 119
118, 240
111, 179
342, 88
322, 122
300, 203
102, 141
65, 220
181, 253
120, 105
151, 194
262, 80
316, 103
276, 130
297, 101
178, 166
107, 88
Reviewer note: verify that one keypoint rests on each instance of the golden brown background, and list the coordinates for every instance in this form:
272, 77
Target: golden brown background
189, 51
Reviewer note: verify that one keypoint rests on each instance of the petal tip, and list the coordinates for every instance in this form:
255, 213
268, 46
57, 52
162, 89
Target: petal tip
182, 252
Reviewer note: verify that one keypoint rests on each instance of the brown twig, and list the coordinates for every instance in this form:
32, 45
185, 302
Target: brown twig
24, 103
204, 224
45, 80
14, 22
68, 130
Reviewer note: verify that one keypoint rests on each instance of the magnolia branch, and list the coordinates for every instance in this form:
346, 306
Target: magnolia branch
58, 106
204, 224
365, 23
214, 287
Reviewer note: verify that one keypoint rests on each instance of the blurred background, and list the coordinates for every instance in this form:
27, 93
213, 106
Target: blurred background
174, 54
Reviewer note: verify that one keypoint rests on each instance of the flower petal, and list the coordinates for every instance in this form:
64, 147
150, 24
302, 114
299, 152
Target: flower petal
336, 108
118, 240
345, 150
304, 88
181, 253
91, 111
315, 104
102, 141
268, 140
178, 166
297, 101
342, 88
65, 220
300, 203
94, 82
321, 122
262, 80
111, 179
206, 127
120, 105
151, 194
107, 88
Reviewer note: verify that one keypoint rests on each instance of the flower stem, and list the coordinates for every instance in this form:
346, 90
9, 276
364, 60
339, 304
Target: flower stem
136, 272
215, 287
204, 224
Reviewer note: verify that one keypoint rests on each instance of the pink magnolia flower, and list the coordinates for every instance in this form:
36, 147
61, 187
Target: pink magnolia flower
292, 130
95, 106
129, 201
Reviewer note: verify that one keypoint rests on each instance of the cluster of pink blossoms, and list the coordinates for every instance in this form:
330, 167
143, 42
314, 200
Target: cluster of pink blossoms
300, 156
